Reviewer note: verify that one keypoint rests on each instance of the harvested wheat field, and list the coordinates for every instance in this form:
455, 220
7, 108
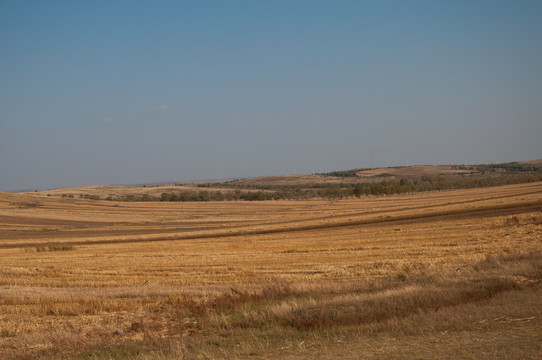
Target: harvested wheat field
448, 275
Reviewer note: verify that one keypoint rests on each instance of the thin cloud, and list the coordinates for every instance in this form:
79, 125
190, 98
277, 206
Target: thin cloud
107, 120
161, 107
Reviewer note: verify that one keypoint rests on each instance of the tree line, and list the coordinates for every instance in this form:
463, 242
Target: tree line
332, 191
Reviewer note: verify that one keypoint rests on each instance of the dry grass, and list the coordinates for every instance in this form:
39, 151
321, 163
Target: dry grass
104, 191
396, 277
413, 172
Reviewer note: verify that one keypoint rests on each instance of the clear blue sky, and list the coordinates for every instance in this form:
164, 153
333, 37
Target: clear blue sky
113, 92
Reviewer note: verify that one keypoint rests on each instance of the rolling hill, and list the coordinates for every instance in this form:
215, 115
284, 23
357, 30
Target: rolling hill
335, 184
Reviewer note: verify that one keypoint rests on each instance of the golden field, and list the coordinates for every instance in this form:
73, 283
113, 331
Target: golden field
452, 274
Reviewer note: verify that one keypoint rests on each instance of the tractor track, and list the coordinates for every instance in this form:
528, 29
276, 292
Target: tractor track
282, 227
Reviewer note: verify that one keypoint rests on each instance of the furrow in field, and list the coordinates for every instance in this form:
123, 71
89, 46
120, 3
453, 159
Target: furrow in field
441, 213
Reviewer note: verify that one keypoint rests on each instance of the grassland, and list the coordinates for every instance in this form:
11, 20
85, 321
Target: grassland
451, 275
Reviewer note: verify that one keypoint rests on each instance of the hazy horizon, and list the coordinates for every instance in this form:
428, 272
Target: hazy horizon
189, 181
137, 92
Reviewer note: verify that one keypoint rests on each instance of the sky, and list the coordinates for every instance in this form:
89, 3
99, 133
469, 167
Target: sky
129, 92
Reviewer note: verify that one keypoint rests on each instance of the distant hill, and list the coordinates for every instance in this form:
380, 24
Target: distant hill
335, 184
532, 162
355, 175
417, 172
